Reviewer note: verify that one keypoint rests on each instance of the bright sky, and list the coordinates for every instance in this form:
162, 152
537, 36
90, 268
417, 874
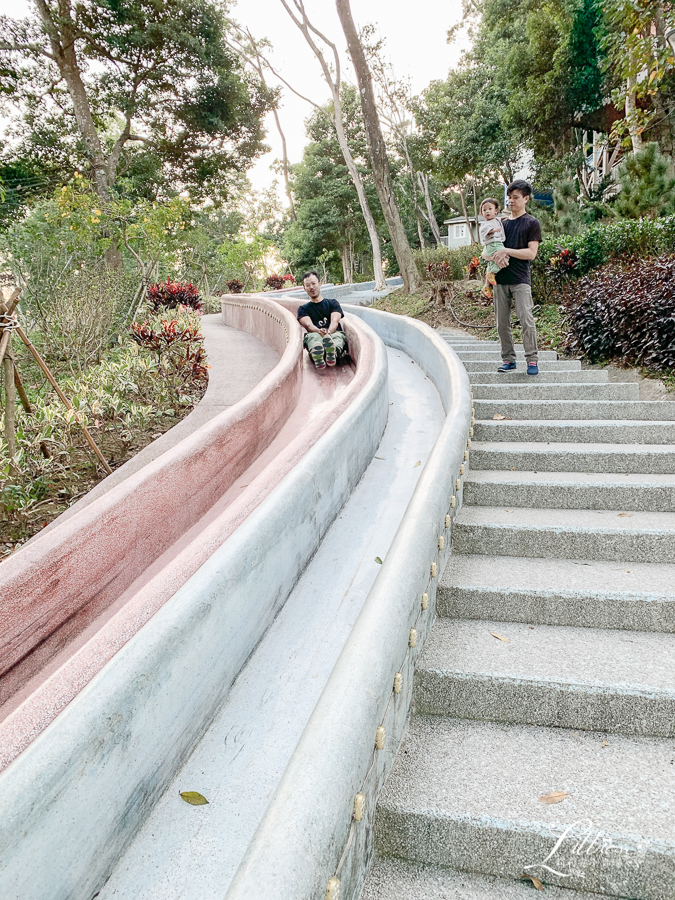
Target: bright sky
415, 35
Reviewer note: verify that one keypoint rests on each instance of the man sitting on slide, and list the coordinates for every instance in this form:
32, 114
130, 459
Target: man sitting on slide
324, 340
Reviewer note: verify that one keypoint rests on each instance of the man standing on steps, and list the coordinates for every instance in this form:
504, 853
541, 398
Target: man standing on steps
324, 340
514, 284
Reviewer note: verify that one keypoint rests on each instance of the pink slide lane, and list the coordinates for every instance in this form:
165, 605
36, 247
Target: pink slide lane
74, 596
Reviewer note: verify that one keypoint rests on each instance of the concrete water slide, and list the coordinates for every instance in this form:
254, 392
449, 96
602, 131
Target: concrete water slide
186, 629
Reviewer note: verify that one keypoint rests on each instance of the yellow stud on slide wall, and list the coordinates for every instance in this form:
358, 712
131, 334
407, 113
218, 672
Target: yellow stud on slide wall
413, 638
441, 542
333, 889
425, 601
359, 806
447, 518
453, 503
433, 570
380, 737
398, 683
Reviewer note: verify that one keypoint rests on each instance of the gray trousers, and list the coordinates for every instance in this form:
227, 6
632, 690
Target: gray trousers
521, 295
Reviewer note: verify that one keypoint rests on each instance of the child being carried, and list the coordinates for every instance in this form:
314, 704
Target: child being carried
492, 237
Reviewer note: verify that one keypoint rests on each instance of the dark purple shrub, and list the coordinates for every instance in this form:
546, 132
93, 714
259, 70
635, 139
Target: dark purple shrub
625, 311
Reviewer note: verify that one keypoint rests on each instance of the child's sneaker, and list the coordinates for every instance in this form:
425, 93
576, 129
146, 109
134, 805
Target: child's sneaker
487, 292
491, 278
329, 348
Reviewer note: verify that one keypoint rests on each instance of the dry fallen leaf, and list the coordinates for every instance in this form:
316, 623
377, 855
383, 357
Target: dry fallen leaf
535, 881
379, 457
419, 462
500, 637
554, 797
378, 560
501, 418
624, 515
194, 798
605, 744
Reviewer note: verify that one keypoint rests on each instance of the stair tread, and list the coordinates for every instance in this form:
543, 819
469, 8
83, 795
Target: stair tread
588, 657
560, 576
564, 519
393, 879
569, 447
493, 773
586, 376
524, 476
586, 410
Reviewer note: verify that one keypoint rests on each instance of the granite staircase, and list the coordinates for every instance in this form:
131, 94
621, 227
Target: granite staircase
542, 740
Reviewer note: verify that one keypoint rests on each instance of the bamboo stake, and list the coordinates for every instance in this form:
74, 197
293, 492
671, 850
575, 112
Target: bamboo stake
66, 402
10, 410
21, 391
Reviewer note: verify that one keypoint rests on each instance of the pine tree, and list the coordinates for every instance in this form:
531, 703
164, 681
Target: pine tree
647, 185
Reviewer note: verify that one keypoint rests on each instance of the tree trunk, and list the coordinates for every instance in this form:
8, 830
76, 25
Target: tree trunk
431, 216
466, 216
344, 257
378, 152
334, 84
631, 115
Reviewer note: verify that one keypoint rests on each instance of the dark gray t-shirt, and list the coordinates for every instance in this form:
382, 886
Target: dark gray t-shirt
320, 312
519, 232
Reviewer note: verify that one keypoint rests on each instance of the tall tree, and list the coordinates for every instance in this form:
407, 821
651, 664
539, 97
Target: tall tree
137, 72
327, 204
378, 151
311, 35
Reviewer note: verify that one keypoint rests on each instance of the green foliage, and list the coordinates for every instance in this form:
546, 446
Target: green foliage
329, 218
157, 77
596, 245
640, 61
647, 185
457, 259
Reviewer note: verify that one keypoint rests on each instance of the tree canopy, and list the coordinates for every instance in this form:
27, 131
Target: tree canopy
136, 87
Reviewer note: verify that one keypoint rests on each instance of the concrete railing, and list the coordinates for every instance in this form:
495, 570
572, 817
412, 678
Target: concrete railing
316, 837
74, 799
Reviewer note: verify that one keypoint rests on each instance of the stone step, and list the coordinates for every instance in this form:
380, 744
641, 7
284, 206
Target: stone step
565, 457
471, 353
578, 593
466, 795
548, 365
535, 390
561, 677
570, 490
394, 879
565, 534
591, 431
635, 410
520, 376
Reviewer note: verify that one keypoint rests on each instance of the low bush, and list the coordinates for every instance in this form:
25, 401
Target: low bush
596, 245
626, 311
457, 259
235, 286
274, 282
172, 294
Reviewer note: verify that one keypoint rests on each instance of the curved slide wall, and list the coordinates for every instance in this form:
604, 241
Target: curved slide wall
309, 835
73, 799
56, 585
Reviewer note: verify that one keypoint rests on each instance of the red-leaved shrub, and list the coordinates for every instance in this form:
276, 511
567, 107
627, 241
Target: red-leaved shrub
625, 311
274, 282
235, 286
179, 349
171, 294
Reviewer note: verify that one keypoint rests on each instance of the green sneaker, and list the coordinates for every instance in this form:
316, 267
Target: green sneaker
318, 358
329, 348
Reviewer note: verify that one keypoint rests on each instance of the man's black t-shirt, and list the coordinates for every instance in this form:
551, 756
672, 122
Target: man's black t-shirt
519, 232
320, 312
